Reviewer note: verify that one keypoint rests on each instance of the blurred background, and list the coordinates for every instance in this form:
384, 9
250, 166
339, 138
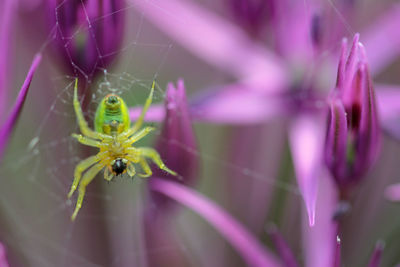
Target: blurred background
246, 169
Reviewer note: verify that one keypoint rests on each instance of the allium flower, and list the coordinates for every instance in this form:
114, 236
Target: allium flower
307, 127
255, 83
88, 33
262, 90
353, 130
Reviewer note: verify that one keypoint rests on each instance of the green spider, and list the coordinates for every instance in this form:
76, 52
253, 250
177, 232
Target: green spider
114, 136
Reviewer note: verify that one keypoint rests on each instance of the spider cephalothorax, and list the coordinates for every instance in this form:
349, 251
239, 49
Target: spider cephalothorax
114, 136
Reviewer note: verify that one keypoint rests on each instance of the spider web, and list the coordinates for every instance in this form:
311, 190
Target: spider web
38, 168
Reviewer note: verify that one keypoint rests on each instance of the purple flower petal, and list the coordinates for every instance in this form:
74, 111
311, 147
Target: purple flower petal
350, 67
82, 37
3, 256
351, 150
377, 255
381, 52
282, 247
176, 143
250, 249
8, 126
336, 139
388, 101
154, 113
234, 104
392, 192
306, 142
342, 64
6, 15
28, 5
217, 41
369, 132
291, 25
320, 241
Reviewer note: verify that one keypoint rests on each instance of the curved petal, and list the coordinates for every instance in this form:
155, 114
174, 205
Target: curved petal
216, 41
8, 126
376, 257
155, 113
306, 142
336, 140
282, 247
233, 104
382, 52
368, 139
250, 249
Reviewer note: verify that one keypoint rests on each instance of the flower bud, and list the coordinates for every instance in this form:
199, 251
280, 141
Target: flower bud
176, 143
88, 33
353, 135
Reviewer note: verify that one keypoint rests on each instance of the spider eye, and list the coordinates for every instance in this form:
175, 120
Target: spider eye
119, 166
112, 100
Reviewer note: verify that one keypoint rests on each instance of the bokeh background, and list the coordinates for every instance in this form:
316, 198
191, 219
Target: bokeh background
245, 169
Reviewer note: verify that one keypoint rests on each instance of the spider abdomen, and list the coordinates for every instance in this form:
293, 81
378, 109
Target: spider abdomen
112, 116
119, 166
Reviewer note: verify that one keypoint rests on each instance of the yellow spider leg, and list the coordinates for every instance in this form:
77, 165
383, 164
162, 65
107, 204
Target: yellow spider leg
107, 175
146, 168
131, 170
155, 157
83, 125
146, 106
139, 135
86, 140
87, 178
81, 167
133, 154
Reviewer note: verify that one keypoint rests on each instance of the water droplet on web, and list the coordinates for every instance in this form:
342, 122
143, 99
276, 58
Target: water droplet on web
33, 143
